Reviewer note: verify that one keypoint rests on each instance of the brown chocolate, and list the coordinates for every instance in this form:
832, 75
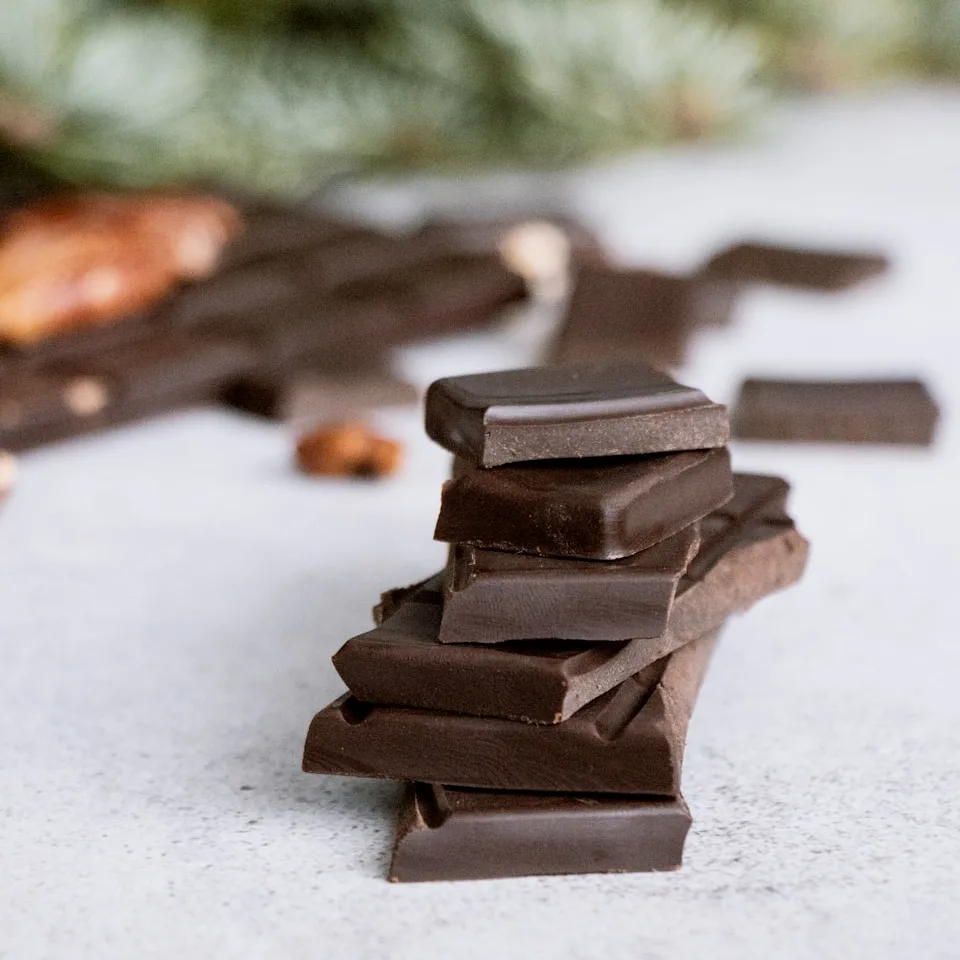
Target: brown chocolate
836, 411
553, 413
788, 266
638, 315
629, 740
491, 596
446, 833
597, 509
125, 383
749, 548
271, 302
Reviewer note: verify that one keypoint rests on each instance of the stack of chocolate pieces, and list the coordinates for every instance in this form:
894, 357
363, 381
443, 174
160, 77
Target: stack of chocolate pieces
537, 691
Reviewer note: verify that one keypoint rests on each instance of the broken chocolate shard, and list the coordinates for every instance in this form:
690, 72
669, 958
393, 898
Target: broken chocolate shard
446, 833
788, 266
598, 509
630, 740
749, 548
554, 413
836, 411
492, 596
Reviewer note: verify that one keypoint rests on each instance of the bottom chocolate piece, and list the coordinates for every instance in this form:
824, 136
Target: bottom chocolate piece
451, 834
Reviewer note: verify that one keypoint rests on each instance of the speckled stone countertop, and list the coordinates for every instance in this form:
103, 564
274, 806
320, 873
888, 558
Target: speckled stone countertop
170, 596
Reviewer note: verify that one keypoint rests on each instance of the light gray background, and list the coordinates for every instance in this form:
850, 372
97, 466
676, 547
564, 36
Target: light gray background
170, 596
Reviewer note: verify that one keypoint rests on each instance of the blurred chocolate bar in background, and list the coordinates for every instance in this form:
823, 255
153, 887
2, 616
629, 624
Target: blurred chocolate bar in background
836, 411
789, 266
298, 319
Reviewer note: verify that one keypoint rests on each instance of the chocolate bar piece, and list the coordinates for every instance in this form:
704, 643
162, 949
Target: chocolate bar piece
638, 314
312, 397
749, 548
296, 295
550, 413
288, 233
492, 596
836, 411
458, 292
794, 266
601, 509
630, 740
116, 386
450, 834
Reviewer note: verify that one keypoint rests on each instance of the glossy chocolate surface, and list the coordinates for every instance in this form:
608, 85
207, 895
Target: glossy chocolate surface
554, 413
601, 509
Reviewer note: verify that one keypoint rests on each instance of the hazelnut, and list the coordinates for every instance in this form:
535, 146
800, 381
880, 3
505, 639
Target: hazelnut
540, 253
86, 396
347, 450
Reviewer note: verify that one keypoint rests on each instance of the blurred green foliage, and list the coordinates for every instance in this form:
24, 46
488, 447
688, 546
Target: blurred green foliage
276, 95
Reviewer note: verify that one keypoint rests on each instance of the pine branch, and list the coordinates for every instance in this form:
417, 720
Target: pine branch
162, 94
278, 95
822, 43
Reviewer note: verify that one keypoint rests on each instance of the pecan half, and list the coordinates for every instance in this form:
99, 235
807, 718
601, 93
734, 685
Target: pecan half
89, 259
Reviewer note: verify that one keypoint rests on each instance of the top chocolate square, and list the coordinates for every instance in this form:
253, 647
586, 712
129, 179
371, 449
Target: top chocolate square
554, 413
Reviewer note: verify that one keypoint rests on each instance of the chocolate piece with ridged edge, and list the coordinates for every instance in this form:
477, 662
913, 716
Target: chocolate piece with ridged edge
630, 740
445, 833
749, 548
491, 596
597, 509
555, 413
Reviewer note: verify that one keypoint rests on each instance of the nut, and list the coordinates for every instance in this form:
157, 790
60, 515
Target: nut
94, 258
86, 396
540, 252
8, 472
347, 450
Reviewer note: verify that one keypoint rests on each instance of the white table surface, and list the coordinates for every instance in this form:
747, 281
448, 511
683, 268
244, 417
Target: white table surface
170, 595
